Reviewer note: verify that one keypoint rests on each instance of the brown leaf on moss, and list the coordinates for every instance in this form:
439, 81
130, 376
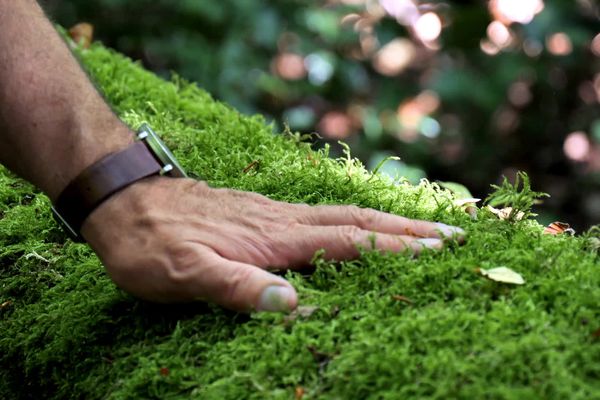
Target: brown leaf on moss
82, 34
298, 393
401, 298
506, 213
557, 228
301, 311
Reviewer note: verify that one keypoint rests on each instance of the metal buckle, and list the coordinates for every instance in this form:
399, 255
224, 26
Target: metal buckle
73, 235
157, 147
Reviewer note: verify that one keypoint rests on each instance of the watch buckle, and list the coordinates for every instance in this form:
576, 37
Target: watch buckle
73, 235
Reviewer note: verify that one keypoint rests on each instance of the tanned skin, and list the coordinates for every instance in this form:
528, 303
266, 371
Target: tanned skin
166, 239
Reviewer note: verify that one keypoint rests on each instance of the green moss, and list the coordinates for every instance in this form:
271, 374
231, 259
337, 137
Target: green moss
67, 332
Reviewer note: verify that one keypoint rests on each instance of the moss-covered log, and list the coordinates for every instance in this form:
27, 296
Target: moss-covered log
385, 326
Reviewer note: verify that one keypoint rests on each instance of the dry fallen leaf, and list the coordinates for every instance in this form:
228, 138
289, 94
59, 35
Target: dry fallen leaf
404, 299
306, 311
464, 202
5, 304
298, 393
302, 311
557, 228
504, 213
82, 34
502, 274
469, 205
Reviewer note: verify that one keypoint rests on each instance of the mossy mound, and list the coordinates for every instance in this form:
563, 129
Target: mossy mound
385, 326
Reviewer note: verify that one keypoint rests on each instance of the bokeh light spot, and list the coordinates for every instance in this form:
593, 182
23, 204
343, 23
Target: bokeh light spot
521, 11
595, 45
506, 120
577, 146
289, 66
499, 34
410, 114
596, 85
335, 125
587, 93
428, 27
428, 101
559, 44
320, 68
532, 47
301, 117
394, 57
405, 11
519, 94
488, 47
430, 128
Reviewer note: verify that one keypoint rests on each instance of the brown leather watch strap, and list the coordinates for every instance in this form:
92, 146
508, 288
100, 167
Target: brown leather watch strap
102, 179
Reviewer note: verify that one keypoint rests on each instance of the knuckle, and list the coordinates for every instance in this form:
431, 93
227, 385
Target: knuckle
235, 284
290, 225
180, 263
300, 211
349, 234
364, 217
354, 210
371, 217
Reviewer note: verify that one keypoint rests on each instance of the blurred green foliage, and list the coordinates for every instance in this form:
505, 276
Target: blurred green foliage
489, 96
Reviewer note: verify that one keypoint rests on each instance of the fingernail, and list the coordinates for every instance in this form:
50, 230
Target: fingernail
449, 231
431, 243
276, 298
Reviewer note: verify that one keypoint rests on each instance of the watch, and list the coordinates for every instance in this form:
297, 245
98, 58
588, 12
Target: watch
146, 157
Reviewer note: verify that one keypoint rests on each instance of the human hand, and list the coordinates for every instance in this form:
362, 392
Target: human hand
169, 240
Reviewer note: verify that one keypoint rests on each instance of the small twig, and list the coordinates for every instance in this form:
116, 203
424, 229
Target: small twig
404, 299
254, 164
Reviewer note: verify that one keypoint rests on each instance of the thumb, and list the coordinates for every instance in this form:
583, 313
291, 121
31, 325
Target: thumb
240, 286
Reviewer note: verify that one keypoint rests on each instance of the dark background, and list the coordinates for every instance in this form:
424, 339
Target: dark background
506, 85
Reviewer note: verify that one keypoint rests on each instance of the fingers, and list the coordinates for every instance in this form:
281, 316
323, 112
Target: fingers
344, 243
244, 287
236, 285
377, 221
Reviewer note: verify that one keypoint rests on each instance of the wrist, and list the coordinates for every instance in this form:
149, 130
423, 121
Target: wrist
90, 142
112, 173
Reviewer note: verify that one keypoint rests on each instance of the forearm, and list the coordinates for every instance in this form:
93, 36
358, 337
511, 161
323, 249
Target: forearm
53, 123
